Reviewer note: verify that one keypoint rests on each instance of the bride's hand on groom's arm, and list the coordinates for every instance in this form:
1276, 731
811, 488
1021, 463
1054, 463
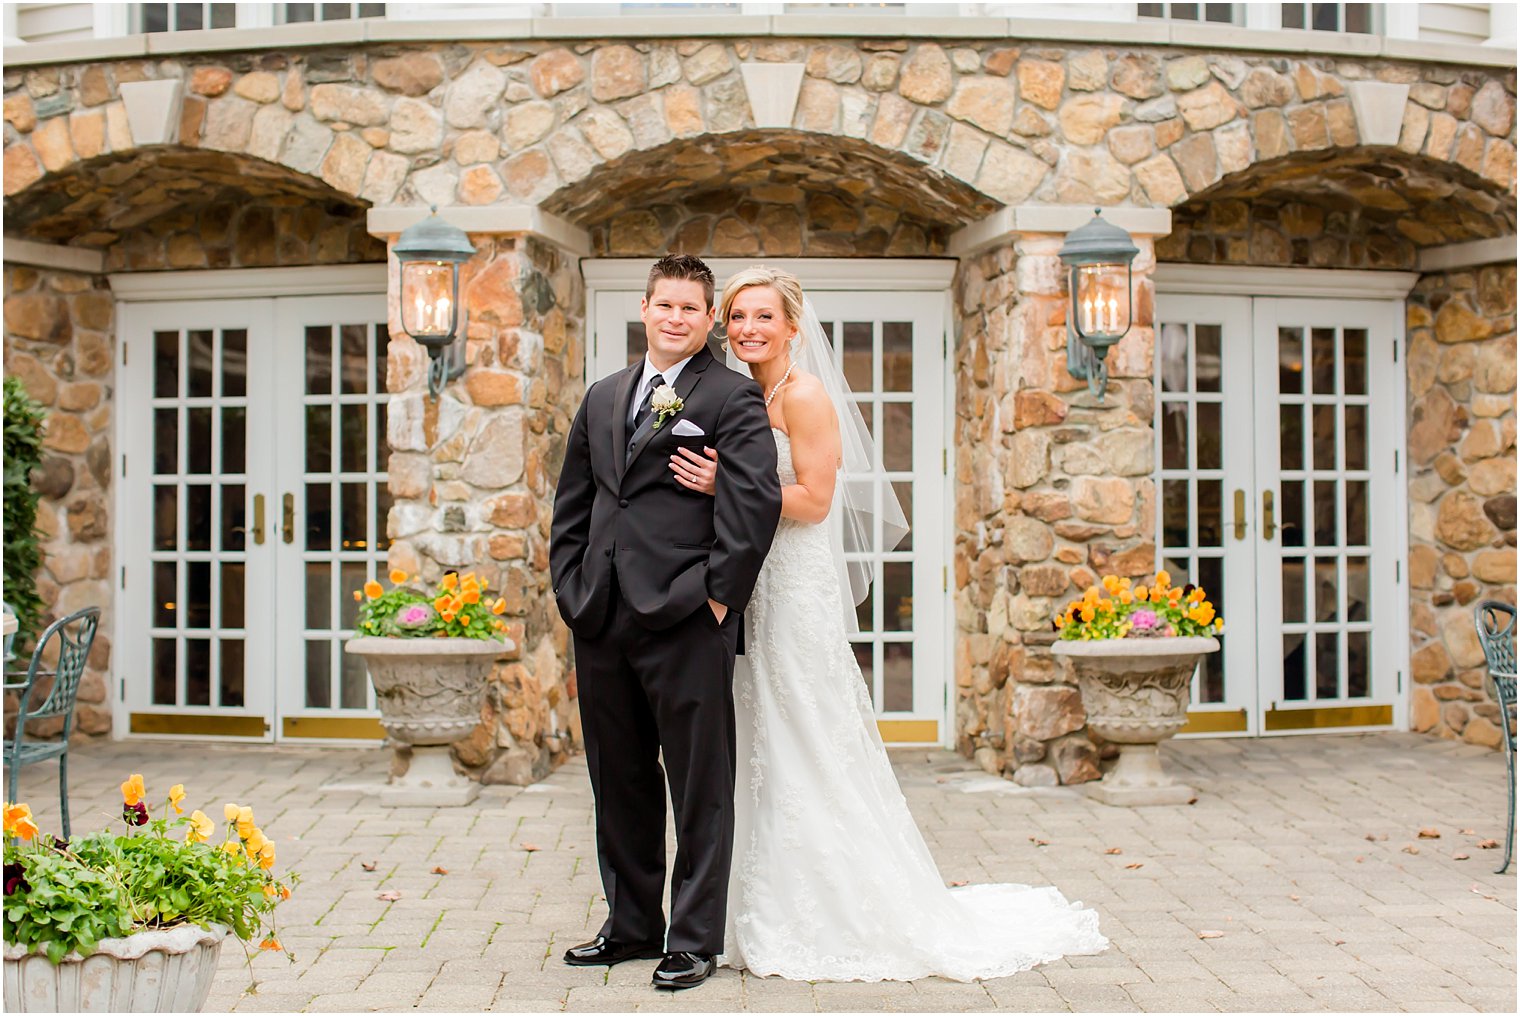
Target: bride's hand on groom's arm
694, 471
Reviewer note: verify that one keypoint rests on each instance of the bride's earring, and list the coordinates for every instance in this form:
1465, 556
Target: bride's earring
725, 346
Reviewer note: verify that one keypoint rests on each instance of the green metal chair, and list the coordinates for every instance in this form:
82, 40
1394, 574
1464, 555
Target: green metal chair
75, 634
1496, 631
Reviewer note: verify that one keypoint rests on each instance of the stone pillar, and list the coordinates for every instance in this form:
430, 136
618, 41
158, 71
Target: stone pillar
1053, 490
473, 478
1461, 461
59, 339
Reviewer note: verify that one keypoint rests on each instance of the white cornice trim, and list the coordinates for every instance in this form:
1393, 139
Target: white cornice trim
1248, 280
1016, 220
1212, 38
1467, 255
390, 220
234, 283
52, 255
927, 275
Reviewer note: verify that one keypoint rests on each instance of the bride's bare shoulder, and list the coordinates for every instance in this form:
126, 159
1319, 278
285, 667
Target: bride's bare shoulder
807, 401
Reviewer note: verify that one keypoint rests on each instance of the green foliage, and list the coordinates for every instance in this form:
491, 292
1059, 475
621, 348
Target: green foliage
458, 609
23, 452
63, 897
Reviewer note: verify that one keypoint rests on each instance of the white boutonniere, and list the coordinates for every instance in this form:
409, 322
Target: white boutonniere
665, 403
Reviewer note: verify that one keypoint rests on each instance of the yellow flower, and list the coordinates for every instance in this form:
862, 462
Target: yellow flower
254, 842
233, 847
483, 584
372, 590
1219, 624
266, 856
1091, 596
201, 827
1088, 613
1142, 593
1111, 583
358, 596
245, 826
1163, 579
1196, 595
500, 625
397, 576
1106, 605
1126, 597
176, 796
132, 791
499, 607
18, 821
230, 812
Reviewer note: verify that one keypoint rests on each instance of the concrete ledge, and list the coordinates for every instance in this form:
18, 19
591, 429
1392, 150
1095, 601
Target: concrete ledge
1019, 219
392, 219
52, 255
1467, 255
1218, 38
1330, 283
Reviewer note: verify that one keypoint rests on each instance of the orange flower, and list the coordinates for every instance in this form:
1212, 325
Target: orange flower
1196, 595
201, 827
1163, 579
18, 821
450, 581
245, 826
132, 791
271, 944
1174, 594
1088, 613
483, 585
472, 596
500, 626
372, 590
397, 576
441, 603
464, 619
266, 856
448, 618
284, 892
499, 607
1142, 593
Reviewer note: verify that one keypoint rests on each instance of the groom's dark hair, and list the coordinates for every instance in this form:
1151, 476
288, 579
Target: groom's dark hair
681, 266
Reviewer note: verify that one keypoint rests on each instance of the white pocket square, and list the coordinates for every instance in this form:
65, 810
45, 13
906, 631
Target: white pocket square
685, 428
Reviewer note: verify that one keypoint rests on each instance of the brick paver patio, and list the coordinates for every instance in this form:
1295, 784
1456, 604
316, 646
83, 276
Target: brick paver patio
1301, 854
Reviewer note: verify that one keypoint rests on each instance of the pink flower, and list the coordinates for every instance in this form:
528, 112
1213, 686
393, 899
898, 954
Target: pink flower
1144, 620
414, 614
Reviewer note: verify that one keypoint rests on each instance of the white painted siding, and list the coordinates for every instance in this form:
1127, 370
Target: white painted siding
1466, 23
54, 22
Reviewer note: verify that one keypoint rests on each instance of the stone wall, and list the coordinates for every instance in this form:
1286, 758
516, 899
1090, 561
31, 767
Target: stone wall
1068, 498
59, 339
473, 478
1461, 328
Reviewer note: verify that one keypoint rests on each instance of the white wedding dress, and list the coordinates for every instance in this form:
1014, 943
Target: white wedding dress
831, 879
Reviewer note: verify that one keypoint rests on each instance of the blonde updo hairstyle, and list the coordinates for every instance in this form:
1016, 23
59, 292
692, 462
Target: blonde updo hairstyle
786, 285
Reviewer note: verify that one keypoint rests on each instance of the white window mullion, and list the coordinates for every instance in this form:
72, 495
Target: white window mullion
255, 15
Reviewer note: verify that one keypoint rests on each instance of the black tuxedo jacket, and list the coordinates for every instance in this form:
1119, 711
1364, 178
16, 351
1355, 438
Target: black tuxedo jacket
673, 548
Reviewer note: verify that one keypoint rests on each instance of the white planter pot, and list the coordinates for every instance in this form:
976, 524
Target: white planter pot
429, 692
1135, 693
152, 971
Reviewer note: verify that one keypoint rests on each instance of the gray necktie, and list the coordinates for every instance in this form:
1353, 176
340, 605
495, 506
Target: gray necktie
646, 407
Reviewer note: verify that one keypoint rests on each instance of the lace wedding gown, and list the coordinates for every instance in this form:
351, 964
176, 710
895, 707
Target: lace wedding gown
831, 880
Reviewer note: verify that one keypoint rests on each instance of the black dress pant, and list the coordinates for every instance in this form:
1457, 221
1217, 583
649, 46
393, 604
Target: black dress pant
642, 693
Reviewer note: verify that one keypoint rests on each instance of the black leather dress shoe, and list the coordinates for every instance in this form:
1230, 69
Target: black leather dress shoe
603, 952
683, 970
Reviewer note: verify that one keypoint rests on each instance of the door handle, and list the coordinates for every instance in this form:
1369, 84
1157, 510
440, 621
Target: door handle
1240, 515
1268, 517
288, 518
258, 518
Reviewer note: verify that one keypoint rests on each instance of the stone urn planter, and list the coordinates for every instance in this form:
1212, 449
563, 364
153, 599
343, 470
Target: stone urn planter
430, 692
151, 971
1135, 692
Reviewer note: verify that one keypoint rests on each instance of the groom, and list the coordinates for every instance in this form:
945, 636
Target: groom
651, 578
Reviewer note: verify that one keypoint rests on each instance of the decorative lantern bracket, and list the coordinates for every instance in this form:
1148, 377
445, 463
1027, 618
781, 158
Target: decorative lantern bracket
1100, 256
430, 253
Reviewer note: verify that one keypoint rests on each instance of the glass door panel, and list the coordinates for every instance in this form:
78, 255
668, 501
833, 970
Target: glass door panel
201, 662
1203, 480
334, 503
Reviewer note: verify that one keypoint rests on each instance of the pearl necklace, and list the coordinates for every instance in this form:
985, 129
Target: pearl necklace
778, 385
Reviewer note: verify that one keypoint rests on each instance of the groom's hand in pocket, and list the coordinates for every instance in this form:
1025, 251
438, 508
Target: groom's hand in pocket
719, 610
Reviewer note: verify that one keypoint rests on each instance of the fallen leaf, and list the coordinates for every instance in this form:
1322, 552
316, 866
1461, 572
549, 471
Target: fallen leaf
1469, 832
1211, 934
1336, 941
389, 896
1192, 800
957, 882
369, 865
1460, 856
1487, 844
1132, 867
1113, 850
1429, 833
1479, 892
1039, 842
1293, 897
440, 870
530, 847
1410, 848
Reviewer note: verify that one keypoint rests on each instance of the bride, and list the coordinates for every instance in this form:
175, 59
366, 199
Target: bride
831, 879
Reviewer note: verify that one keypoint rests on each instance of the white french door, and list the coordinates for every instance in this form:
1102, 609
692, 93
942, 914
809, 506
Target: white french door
252, 499
1277, 490
891, 347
